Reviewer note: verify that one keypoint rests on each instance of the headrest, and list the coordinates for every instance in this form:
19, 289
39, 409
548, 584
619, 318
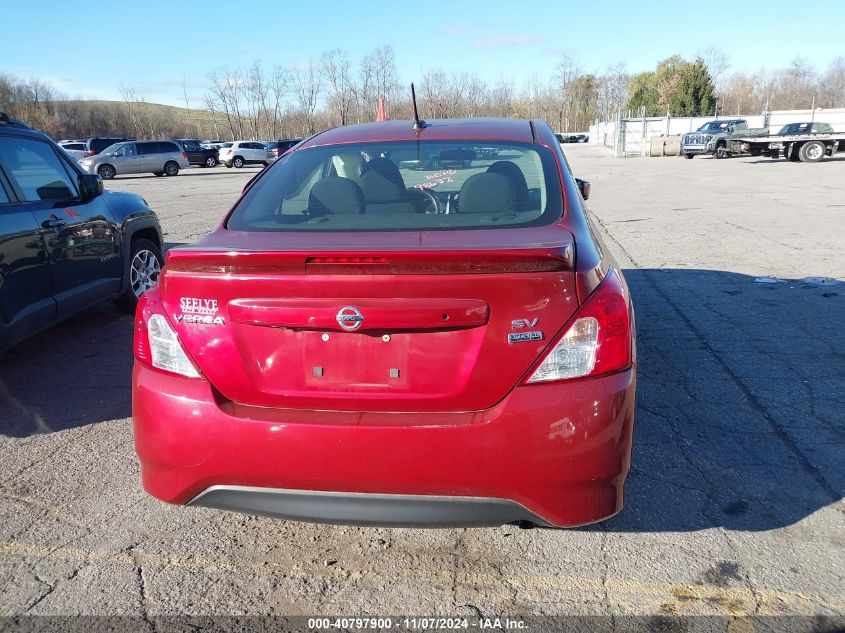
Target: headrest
379, 188
515, 175
335, 195
487, 193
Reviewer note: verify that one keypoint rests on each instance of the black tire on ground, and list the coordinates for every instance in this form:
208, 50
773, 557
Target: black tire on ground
142, 272
171, 168
812, 152
689, 156
228, 165
721, 151
210, 162
238, 162
158, 173
107, 172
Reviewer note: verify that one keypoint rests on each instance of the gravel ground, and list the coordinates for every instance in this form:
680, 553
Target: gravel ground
734, 505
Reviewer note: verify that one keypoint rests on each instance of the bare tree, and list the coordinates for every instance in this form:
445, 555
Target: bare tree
386, 75
335, 66
306, 84
832, 85
718, 63
364, 100
279, 83
566, 71
612, 92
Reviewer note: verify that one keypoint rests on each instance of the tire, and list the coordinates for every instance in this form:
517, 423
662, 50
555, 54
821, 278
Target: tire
210, 162
228, 165
812, 152
721, 151
689, 156
107, 172
158, 173
143, 272
171, 168
237, 162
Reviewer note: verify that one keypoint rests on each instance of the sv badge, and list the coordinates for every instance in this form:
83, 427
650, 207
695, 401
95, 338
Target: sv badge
520, 324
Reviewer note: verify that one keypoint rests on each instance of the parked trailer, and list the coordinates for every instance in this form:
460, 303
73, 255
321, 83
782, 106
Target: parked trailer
807, 148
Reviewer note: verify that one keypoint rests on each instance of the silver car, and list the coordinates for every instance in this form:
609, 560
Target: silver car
162, 158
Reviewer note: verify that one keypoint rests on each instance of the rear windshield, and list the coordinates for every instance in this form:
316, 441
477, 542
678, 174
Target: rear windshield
396, 186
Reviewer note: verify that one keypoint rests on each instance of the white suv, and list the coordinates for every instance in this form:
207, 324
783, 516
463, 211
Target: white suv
242, 153
77, 149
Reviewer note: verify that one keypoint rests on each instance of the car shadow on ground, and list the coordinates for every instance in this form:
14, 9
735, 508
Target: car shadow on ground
740, 398
76, 373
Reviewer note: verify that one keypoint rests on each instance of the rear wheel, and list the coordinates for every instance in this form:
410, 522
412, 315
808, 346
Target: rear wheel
211, 162
107, 172
238, 162
721, 151
689, 156
171, 168
144, 270
812, 152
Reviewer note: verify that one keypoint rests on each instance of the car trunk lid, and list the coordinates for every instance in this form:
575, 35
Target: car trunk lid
445, 324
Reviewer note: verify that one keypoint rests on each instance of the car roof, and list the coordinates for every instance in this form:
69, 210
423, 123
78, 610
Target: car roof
472, 129
21, 129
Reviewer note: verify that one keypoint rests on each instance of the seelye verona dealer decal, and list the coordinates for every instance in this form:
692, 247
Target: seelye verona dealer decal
197, 310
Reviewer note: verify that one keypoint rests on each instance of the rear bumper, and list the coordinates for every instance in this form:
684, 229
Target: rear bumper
366, 508
554, 454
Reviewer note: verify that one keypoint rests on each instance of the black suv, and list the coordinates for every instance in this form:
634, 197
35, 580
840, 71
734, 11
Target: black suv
99, 143
65, 243
197, 154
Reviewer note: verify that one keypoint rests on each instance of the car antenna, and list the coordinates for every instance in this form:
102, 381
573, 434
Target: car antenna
418, 123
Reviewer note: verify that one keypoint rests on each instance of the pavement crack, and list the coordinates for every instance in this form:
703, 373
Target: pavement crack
142, 589
605, 575
50, 589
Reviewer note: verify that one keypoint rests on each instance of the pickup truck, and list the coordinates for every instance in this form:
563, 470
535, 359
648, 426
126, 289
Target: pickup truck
804, 142
713, 137
197, 154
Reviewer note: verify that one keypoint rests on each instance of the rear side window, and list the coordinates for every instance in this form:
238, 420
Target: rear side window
168, 147
37, 170
396, 186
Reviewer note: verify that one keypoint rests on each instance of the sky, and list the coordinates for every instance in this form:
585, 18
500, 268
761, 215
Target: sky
154, 46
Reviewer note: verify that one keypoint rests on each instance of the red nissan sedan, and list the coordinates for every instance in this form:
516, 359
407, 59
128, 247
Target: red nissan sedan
396, 324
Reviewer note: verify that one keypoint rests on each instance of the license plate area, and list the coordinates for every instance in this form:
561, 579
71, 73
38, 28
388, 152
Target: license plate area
354, 360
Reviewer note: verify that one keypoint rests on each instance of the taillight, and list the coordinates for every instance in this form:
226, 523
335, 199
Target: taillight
185, 155
157, 344
597, 340
90, 152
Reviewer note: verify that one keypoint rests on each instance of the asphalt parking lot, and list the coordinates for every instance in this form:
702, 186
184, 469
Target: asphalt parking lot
734, 505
